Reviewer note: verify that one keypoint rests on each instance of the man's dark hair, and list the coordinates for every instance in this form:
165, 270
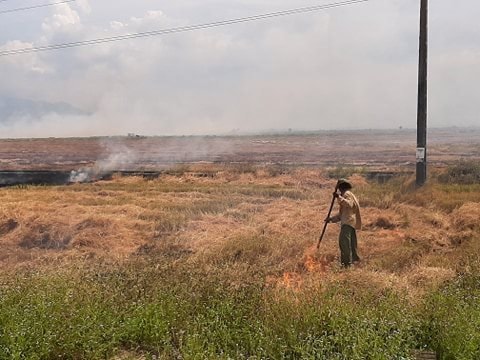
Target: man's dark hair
344, 185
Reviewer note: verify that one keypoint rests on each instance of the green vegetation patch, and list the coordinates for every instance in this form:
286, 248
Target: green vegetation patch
188, 313
452, 322
465, 172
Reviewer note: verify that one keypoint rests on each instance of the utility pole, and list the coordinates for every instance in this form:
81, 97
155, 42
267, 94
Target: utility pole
422, 97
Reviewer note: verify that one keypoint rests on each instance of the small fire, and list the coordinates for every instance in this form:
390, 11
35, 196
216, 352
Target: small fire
310, 264
314, 262
291, 280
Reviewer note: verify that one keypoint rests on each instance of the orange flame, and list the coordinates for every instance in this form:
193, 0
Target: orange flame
310, 264
291, 280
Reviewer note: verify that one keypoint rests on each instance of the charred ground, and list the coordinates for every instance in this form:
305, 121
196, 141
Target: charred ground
371, 148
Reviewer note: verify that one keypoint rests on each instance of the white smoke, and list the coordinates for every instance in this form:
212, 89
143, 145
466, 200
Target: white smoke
118, 157
79, 176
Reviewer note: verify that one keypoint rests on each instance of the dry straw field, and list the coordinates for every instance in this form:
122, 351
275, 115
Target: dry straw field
253, 214
221, 262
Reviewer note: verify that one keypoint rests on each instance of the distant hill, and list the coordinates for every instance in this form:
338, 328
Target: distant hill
13, 108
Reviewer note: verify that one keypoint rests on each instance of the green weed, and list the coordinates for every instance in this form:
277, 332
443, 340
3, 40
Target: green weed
343, 172
453, 319
465, 172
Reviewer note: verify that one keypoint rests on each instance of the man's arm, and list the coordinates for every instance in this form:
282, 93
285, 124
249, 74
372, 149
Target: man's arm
347, 199
333, 219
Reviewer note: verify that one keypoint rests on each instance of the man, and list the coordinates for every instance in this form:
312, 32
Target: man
350, 220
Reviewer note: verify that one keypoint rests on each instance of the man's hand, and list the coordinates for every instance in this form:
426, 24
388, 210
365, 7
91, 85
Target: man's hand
336, 195
328, 220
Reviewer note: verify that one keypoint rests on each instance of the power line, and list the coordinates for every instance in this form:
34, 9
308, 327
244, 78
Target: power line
33, 6
180, 29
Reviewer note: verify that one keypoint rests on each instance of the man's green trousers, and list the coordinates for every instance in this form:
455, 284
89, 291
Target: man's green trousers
348, 245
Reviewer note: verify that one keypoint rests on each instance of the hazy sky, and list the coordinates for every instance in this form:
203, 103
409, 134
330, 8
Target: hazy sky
348, 67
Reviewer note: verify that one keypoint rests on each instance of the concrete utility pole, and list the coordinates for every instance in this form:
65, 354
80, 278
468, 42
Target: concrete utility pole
422, 97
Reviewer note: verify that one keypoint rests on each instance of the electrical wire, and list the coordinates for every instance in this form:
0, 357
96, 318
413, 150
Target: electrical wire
180, 29
34, 7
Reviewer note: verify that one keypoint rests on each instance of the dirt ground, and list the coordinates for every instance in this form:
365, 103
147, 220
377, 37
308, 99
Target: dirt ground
370, 148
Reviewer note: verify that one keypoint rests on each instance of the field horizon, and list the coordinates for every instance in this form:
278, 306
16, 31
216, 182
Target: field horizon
381, 149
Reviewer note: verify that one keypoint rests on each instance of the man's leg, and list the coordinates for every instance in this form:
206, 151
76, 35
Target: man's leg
345, 245
355, 256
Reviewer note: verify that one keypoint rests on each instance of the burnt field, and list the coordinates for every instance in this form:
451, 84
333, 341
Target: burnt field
367, 148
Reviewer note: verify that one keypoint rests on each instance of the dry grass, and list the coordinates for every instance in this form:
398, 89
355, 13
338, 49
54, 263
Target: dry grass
267, 219
467, 216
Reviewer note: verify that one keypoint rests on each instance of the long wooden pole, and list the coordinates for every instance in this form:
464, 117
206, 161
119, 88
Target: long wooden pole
421, 173
328, 216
